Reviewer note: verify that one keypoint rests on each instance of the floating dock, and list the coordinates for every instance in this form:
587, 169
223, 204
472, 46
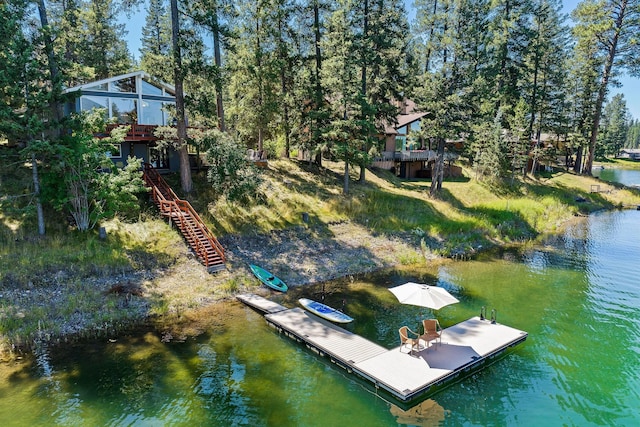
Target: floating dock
465, 347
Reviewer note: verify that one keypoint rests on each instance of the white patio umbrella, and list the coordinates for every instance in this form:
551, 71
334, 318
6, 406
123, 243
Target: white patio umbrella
423, 295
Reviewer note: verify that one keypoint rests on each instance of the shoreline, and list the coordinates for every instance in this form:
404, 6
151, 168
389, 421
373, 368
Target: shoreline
320, 254
301, 256
173, 297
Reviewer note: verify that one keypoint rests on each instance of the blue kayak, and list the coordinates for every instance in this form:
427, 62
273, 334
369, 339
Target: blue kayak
268, 279
325, 311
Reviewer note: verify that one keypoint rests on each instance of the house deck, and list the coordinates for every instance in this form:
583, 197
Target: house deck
465, 347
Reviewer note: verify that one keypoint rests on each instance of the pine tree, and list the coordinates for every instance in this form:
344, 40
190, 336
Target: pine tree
213, 16
447, 87
309, 88
512, 35
633, 136
544, 86
103, 47
155, 52
181, 125
255, 77
614, 127
382, 45
612, 27
350, 127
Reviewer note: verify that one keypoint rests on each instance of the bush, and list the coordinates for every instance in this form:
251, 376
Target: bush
230, 173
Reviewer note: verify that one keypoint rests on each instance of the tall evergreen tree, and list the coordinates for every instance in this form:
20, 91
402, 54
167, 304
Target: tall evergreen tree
214, 16
614, 127
24, 100
633, 135
447, 86
613, 26
104, 48
511, 30
544, 87
155, 53
311, 93
350, 126
255, 80
382, 44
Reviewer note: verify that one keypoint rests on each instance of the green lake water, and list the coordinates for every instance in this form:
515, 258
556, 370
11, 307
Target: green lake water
630, 177
577, 296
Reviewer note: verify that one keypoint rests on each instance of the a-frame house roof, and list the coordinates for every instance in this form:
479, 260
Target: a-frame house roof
142, 74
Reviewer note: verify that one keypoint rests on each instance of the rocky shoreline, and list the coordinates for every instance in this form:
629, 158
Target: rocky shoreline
300, 255
305, 255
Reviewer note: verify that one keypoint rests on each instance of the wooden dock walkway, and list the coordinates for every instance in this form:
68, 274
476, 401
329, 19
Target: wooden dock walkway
465, 347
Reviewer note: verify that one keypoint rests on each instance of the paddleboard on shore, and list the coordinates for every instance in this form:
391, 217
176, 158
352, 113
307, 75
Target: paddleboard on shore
325, 311
268, 279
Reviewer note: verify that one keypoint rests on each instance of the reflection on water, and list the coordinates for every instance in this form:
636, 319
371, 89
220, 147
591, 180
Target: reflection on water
576, 295
427, 413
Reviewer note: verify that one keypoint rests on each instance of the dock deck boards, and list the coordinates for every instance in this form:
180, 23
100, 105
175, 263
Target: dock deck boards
464, 347
325, 336
260, 303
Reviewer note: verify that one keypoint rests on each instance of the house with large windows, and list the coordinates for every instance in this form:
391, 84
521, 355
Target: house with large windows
405, 150
136, 99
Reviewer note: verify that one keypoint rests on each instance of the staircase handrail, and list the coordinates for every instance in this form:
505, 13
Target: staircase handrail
151, 174
184, 204
173, 204
186, 228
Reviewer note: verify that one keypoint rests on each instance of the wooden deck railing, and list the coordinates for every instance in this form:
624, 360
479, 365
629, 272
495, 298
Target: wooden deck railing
136, 132
407, 155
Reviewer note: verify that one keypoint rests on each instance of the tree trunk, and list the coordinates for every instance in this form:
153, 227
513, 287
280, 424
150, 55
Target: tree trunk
318, 57
438, 170
56, 107
365, 32
316, 33
36, 191
577, 166
345, 187
534, 162
218, 61
181, 124
284, 88
363, 75
431, 31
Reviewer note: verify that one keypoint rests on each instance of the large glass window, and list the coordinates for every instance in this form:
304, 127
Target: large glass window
169, 110
401, 142
125, 110
150, 89
402, 130
413, 143
88, 103
152, 113
125, 85
415, 126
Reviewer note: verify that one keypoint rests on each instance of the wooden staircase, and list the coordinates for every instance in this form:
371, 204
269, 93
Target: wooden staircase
181, 213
